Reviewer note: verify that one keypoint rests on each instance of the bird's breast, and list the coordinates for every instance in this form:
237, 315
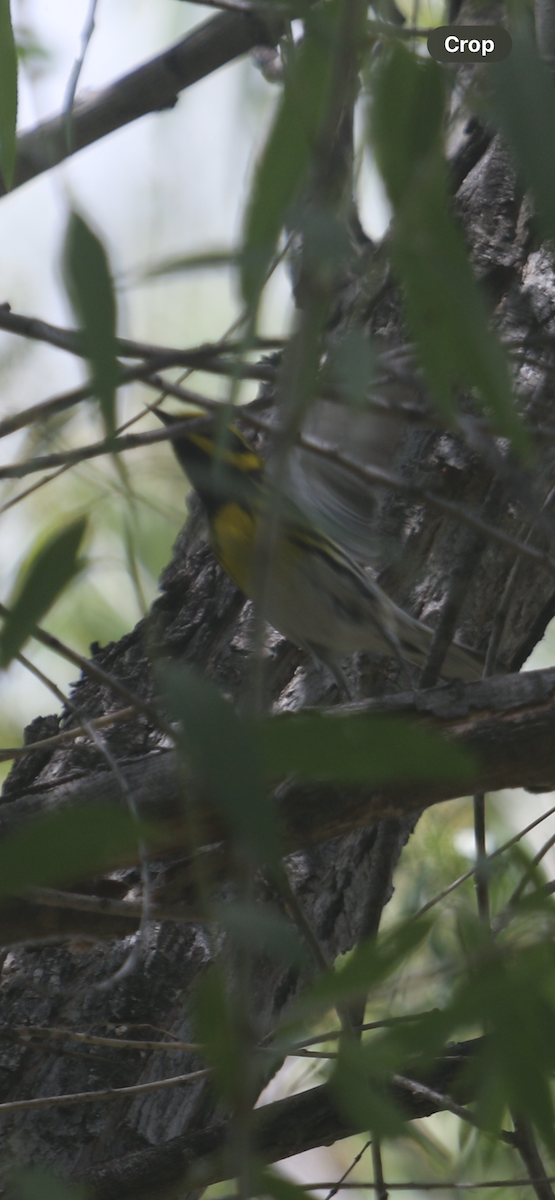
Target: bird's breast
233, 537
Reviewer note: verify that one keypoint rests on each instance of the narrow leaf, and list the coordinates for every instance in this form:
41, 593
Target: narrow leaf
223, 752
67, 846
211, 259
361, 1096
259, 928
8, 94
512, 995
352, 366
216, 1029
279, 1188
90, 288
48, 572
523, 104
446, 311
370, 963
286, 158
360, 748
406, 118
34, 1183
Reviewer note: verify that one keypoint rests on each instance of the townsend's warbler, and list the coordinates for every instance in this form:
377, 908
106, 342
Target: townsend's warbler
313, 592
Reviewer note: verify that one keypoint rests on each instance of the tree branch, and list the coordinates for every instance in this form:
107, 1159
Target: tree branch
152, 87
281, 1129
506, 723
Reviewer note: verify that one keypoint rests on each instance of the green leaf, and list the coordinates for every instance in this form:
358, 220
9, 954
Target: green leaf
359, 748
8, 94
406, 118
47, 573
279, 1188
370, 963
508, 994
90, 288
360, 1094
352, 366
523, 103
67, 846
223, 752
287, 155
34, 1183
210, 259
216, 1028
511, 994
446, 312
261, 929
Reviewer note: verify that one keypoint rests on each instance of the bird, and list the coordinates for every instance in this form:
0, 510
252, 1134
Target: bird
310, 589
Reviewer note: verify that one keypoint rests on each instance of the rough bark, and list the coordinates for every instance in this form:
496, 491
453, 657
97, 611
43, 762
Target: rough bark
281, 1129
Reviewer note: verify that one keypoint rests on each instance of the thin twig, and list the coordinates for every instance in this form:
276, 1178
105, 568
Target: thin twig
67, 114
500, 618
333, 1034
146, 901
67, 735
245, 6
427, 1185
33, 488
449, 1105
525, 1144
90, 1039
110, 446
387, 29
530, 870
93, 671
380, 1189
75, 902
336, 1187
151, 87
481, 870
71, 1098
517, 837
326, 1054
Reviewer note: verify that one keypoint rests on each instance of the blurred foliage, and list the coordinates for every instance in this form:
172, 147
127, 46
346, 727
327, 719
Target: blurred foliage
287, 156
89, 283
49, 571
444, 976
358, 748
445, 310
8, 93
34, 1183
68, 846
522, 99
